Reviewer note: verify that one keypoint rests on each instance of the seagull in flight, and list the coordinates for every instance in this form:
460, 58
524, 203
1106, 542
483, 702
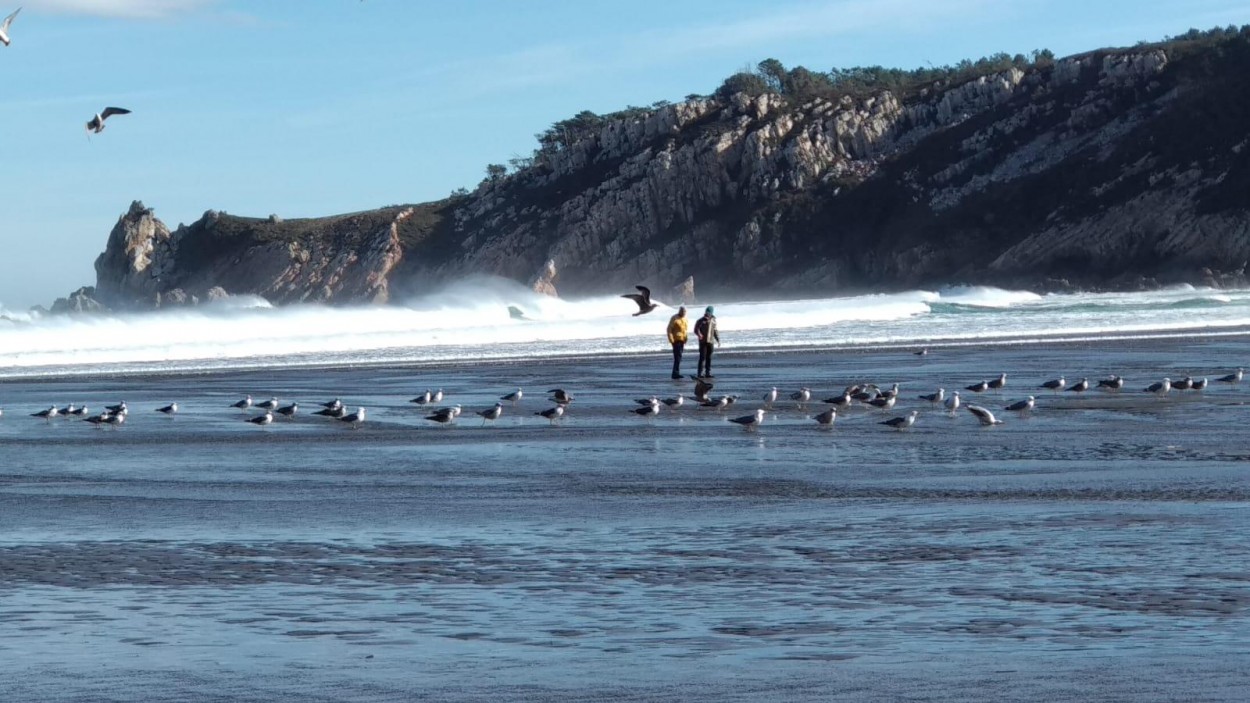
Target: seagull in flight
4, 27
643, 298
97, 123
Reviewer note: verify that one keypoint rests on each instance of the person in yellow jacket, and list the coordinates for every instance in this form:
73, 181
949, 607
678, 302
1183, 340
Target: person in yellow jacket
677, 338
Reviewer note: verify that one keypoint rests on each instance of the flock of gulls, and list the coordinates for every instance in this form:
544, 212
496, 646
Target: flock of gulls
96, 124
868, 396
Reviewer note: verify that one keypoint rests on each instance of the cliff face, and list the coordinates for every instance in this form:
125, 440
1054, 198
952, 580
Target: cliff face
1110, 169
346, 259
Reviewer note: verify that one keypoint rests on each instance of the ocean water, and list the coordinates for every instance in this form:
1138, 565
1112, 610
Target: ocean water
470, 321
1093, 550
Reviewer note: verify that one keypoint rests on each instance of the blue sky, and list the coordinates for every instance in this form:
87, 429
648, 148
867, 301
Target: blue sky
316, 107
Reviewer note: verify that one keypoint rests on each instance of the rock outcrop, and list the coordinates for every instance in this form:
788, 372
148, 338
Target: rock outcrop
1101, 170
345, 259
544, 282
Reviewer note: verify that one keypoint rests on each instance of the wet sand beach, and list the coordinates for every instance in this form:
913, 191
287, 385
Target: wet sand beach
1095, 550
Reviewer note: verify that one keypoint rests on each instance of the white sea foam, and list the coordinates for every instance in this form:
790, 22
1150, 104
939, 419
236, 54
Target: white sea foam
471, 321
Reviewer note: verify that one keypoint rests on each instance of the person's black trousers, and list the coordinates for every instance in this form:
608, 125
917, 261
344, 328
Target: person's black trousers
705, 358
678, 347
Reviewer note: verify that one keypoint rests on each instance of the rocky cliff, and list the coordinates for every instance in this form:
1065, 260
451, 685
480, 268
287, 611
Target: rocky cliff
1108, 169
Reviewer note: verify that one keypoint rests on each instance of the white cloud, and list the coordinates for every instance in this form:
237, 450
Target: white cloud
131, 9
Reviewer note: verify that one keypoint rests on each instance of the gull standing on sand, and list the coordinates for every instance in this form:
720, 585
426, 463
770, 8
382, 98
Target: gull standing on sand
491, 413
1200, 384
442, 416
1159, 388
981, 387
97, 123
826, 418
770, 397
512, 397
934, 398
1183, 385
883, 402
643, 299
675, 402
262, 420
841, 402
553, 413
336, 413
749, 422
114, 420
4, 27
100, 419
1055, 384
802, 396
268, 405
560, 396
423, 399
1234, 377
1114, 383
984, 415
998, 383
47, 414
171, 409
902, 423
952, 403
356, 419
648, 411
119, 409
333, 404
717, 404
243, 404
1080, 386
1022, 406
288, 411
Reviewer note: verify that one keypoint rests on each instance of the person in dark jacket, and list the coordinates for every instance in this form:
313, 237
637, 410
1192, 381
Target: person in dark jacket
677, 338
705, 330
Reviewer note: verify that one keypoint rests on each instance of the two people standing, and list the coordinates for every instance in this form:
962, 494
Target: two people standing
704, 330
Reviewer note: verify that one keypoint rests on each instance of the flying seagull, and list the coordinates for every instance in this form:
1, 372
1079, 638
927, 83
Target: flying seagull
97, 123
643, 298
4, 28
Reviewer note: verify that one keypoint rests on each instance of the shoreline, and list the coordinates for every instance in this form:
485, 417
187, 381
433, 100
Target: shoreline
1006, 343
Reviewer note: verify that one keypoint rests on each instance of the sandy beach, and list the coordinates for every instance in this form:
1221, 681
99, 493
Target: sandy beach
1093, 551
